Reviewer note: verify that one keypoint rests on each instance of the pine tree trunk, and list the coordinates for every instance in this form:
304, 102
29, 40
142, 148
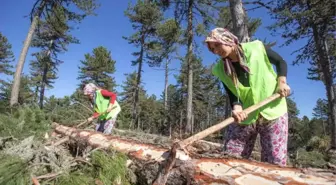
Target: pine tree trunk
204, 166
192, 124
36, 93
332, 99
190, 69
19, 67
324, 129
46, 61
136, 98
325, 63
170, 130
166, 86
166, 98
43, 82
239, 20
180, 125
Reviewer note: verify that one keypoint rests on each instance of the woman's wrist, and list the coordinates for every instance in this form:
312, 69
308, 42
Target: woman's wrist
282, 79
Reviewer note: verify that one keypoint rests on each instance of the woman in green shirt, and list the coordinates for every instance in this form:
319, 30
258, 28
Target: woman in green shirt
248, 77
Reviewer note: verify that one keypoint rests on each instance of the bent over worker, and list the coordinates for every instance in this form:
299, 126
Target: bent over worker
106, 107
247, 74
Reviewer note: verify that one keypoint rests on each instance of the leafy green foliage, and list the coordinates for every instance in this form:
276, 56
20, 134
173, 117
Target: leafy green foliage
310, 159
321, 109
66, 110
319, 144
191, 13
24, 122
151, 115
208, 97
97, 68
25, 93
165, 42
75, 10
145, 17
13, 170
6, 56
107, 168
110, 168
75, 178
52, 38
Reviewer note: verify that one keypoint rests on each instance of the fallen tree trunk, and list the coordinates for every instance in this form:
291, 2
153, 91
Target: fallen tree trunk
196, 169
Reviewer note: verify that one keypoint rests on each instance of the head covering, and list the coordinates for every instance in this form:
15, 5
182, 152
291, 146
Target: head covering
90, 88
223, 36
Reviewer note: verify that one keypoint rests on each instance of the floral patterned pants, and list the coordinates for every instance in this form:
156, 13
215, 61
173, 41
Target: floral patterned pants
240, 139
105, 126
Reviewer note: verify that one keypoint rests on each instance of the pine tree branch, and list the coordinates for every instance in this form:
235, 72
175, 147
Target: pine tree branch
261, 4
49, 175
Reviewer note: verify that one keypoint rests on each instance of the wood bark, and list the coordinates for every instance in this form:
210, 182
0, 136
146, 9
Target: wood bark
207, 168
239, 20
190, 67
137, 89
19, 67
46, 64
325, 63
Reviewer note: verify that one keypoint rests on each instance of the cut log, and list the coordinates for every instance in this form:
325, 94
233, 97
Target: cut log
146, 159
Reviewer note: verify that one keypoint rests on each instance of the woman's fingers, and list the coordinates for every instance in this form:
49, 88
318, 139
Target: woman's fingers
239, 116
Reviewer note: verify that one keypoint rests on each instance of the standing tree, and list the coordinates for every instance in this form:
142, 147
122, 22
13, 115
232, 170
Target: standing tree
313, 20
167, 38
145, 16
26, 94
43, 74
53, 38
239, 20
6, 57
98, 68
321, 113
128, 97
40, 10
225, 20
189, 11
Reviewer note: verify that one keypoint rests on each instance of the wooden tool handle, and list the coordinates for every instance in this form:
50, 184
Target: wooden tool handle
226, 122
84, 122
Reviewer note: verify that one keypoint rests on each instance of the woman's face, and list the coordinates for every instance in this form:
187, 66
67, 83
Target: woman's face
90, 96
220, 49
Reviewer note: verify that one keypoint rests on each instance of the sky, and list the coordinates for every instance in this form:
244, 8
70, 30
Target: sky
107, 28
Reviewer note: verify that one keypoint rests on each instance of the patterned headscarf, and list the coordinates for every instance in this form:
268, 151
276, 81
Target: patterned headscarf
223, 36
90, 88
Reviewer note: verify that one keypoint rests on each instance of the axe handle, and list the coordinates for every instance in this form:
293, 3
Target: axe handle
226, 122
81, 124
84, 122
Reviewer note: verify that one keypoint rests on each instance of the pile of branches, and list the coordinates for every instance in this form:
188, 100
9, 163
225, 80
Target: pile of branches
56, 160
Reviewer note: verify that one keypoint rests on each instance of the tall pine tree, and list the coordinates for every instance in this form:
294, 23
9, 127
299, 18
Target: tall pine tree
129, 89
98, 68
188, 12
53, 38
43, 9
6, 57
167, 37
145, 16
313, 20
320, 112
